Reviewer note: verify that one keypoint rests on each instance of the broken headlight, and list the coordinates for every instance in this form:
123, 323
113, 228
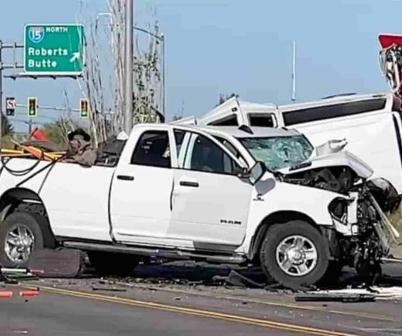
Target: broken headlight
338, 209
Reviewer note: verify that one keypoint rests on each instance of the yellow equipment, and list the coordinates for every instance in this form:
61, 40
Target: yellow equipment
31, 151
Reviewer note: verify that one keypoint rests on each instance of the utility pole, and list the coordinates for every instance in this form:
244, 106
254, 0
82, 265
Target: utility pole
29, 128
294, 73
164, 76
128, 115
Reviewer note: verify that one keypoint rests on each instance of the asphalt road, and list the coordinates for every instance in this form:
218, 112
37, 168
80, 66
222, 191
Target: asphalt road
56, 314
74, 307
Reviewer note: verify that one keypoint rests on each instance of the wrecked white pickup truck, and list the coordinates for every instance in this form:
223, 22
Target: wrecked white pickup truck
232, 195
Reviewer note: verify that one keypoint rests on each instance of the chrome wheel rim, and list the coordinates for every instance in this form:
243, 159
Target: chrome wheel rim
296, 255
19, 243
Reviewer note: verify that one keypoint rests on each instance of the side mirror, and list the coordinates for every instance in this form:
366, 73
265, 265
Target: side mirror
256, 172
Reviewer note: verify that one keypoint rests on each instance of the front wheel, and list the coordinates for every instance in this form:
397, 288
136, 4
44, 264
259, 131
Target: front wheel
293, 254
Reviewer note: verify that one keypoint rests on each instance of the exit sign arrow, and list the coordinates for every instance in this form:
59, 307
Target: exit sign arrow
76, 56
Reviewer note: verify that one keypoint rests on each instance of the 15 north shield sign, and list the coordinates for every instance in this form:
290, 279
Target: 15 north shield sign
54, 49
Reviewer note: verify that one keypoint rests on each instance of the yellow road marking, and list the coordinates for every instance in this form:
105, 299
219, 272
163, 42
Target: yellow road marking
198, 312
267, 303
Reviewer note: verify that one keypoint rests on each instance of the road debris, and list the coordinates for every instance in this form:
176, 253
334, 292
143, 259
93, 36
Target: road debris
334, 297
6, 294
352, 294
238, 280
15, 275
28, 293
109, 289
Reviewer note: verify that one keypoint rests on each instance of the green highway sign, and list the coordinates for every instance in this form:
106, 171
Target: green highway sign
54, 49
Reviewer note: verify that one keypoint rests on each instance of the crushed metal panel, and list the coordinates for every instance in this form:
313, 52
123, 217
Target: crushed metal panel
234, 112
224, 111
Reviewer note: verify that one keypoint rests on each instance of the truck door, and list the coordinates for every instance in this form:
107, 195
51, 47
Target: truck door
141, 190
210, 203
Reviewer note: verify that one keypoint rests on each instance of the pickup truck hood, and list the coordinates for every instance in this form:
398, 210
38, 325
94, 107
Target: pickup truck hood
342, 158
321, 171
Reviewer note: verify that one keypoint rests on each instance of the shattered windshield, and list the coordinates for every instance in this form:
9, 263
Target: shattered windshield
279, 152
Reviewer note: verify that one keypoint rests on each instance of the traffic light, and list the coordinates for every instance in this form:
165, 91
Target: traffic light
84, 108
32, 107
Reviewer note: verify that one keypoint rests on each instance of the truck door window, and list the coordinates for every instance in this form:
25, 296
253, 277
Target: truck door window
206, 156
232, 149
152, 150
178, 137
228, 121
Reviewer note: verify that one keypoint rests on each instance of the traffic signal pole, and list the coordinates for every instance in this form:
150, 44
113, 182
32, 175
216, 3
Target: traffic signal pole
30, 128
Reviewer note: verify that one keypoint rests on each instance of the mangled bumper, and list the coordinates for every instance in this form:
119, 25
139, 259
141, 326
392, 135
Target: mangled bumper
360, 217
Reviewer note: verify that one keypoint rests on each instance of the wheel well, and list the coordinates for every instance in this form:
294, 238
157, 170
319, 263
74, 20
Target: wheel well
279, 217
24, 200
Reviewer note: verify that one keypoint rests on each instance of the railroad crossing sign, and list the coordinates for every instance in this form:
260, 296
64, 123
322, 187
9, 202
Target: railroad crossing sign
54, 49
10, 106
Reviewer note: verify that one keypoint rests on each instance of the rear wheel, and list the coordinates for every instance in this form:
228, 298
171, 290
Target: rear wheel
294, 254
20, 234
113, 263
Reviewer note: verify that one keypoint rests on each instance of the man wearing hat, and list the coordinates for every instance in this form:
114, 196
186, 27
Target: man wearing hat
79, 148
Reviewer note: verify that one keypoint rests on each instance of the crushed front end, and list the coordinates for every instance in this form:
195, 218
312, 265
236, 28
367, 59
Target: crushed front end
361, 233
362, 236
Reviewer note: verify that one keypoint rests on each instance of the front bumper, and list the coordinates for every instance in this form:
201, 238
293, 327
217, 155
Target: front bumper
363, 215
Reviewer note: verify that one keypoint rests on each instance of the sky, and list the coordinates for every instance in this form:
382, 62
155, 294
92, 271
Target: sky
218, 47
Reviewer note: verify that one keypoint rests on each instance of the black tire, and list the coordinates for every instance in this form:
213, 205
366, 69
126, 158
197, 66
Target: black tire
36, 224
117, 264
273, 238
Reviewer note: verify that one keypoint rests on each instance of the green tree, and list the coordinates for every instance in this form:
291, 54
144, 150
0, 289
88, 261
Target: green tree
6, 126
57, 132
7, 132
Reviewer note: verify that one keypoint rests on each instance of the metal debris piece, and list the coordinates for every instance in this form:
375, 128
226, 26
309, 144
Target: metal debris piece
335, 297
109, 289
14, 275
236, 279
6, 270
